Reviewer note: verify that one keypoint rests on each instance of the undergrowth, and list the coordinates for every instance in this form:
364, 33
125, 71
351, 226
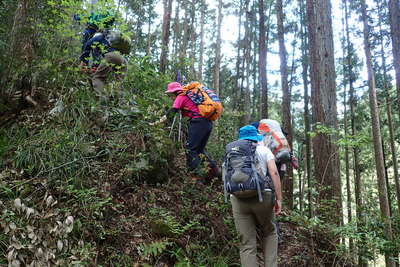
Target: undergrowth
93, 159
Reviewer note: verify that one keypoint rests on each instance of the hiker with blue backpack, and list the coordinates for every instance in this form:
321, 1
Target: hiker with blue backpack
251, 180
111, 45
201, 105
95, 22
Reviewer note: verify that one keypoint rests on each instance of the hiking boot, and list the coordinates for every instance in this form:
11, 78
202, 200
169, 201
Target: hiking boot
198, 180
214, 172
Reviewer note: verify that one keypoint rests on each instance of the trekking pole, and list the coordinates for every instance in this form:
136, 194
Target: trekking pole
180, 126
172, 126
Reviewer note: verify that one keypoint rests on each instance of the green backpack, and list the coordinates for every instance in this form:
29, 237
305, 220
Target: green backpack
119, 41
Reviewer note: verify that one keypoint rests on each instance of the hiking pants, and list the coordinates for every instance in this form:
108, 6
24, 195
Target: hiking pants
113, 62
199, 132
249, 214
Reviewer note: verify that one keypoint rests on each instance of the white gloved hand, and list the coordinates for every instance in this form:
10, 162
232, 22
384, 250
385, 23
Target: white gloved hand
163, 119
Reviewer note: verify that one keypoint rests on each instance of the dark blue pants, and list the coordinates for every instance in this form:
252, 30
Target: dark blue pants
199, 132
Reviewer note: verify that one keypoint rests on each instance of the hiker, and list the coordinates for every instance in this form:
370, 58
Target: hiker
110, 45
255, 197
198, 133
275, 139
95, 22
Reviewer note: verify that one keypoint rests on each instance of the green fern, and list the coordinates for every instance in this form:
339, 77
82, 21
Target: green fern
166, 223
154, 249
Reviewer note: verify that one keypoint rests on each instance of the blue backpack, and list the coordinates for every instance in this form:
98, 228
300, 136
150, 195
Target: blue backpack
239, 173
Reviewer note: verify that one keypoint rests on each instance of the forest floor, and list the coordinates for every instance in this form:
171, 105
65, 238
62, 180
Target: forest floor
298, 246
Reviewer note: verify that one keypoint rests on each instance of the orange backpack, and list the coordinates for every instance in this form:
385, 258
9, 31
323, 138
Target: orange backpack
207, 101
275, 140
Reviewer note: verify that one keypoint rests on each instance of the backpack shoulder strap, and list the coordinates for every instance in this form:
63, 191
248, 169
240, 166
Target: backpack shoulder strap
255, 172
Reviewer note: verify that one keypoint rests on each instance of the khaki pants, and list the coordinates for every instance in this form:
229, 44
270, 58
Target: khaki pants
113, 62
248, 214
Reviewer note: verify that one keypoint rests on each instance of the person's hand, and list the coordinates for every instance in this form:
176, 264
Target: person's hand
278, 207
163, 119
83, 67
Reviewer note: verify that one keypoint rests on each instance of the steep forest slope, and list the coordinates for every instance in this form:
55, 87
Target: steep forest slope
90, 183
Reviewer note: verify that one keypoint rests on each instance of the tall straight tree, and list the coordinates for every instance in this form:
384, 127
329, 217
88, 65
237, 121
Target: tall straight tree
307, 127
356, 162
376, 133
387, 85
218, 48
165, 34
202, 22
177, 29
149, 22
255, 61
185, 36
324, 111
262, 62
346, 133
238, 77
347, 154
192, 37
394, 15
286, 117
245, 119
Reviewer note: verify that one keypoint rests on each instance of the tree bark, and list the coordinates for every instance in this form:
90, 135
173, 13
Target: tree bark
237, 93
356, 165
192, 35
262, 63
185, 37
387, 86
301, 182
246, 52
17, 80
394, 17
177, 28
218, 49
307, 127
347, 169
165, 34
393, 151
380, 168
201, 56
323, 97
254, 61
286, 117
346, 134
149, 35
264, 113
22, 33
